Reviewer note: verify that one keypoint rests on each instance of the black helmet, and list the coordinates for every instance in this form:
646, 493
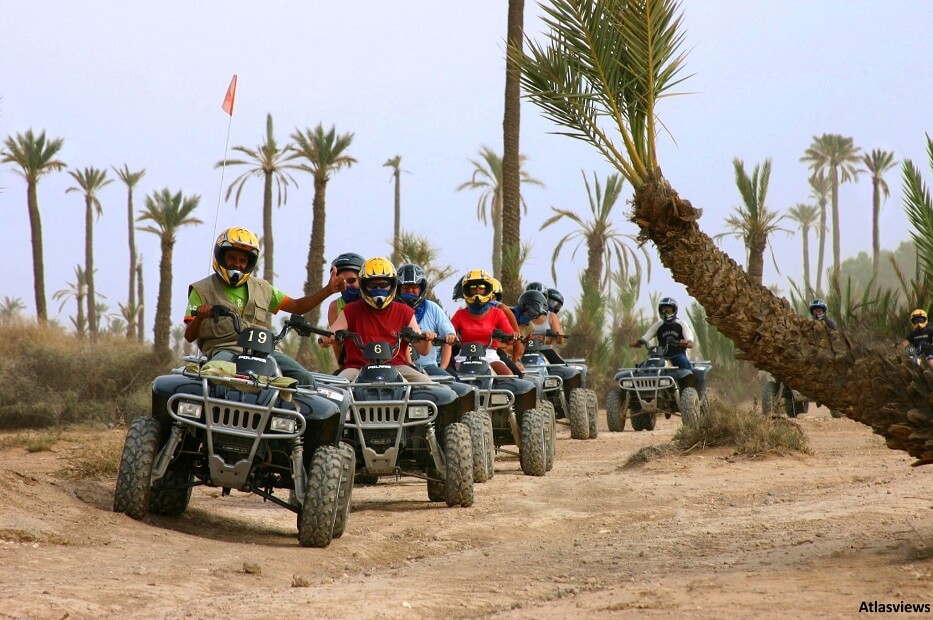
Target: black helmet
532, 303
536, 286
818, 304
412, 274
667, 301
348, 261
555, 301
458, 289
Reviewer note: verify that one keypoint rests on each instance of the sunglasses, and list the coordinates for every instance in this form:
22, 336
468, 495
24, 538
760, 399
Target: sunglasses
377, 284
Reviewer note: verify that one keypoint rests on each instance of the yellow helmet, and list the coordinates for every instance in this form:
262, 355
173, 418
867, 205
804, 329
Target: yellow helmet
918, 318
235, 238
374, 270
497, 289
478, 287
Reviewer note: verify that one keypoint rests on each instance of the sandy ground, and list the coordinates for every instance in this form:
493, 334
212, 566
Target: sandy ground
702, 535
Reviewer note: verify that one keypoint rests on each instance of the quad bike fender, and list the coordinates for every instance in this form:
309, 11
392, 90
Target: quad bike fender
526, 392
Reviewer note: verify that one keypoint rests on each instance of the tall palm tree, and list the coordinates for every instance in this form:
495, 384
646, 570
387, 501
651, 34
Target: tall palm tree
487, 176
141, 306
604, 67
837, 157
89, 182
269, 163
806, 216
511, 157
820, 189
35, 157
599, 235
752, 221
76, 290
10, 309
324, 153
130, 179
168, 212
877, 163
395, 164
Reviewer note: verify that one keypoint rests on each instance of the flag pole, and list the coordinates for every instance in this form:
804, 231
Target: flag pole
227, 107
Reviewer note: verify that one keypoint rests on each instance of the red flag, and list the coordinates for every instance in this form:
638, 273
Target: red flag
229, 97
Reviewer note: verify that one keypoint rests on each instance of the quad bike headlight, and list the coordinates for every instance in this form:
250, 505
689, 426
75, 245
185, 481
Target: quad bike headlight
419, 412
498, 399
189, 410
553, 382
283, 425
627, 383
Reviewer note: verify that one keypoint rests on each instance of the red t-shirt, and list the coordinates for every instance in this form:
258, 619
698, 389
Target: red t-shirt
373, 325
478, 328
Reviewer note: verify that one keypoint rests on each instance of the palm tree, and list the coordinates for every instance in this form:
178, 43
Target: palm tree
269, 163
820, 189
324, 154
837, 157
918, 205
168, 212
76, 290
603, 69
806, 217
394, 163
36, 158
10, 309
877, 163
753, 222
487, 176
89, 182
602, 240
511, 157
130, 179
141, 306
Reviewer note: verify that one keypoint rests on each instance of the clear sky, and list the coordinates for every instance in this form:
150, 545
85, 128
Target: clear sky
142, 84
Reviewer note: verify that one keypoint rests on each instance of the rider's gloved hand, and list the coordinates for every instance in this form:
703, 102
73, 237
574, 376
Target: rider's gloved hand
205, 311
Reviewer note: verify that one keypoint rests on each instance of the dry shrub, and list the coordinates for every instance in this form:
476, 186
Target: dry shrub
751, 433
97, 458
31, 441
49, 377
649, 453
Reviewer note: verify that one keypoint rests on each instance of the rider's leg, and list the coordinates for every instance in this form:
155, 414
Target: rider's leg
500, 368
680, 360
509, 364
411, 375
292, 369
349, 373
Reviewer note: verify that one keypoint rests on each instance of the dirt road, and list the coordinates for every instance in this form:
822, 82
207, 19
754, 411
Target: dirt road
702, 535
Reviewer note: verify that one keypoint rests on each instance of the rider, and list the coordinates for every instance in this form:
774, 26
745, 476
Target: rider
531, 307
818, 313
547, 326
921, 337
480, 318
376, 317
671, 331
503, 349
348, 267
413, 284
233, 286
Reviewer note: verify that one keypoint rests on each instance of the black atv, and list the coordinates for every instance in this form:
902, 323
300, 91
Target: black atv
779, 397
511, 403
241, 425
565, 391
655, 386
399, 428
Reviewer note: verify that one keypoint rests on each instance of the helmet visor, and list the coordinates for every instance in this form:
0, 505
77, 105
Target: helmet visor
918, 320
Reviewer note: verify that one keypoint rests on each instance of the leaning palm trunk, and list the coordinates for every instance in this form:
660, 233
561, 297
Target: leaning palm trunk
872, 384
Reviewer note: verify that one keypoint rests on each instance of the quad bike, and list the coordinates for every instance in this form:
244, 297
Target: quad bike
241, 425
779, 397
511, 403
654, 386
565, 392
397, 428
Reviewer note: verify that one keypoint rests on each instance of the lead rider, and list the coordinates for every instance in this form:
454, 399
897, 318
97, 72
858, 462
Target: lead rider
671, 330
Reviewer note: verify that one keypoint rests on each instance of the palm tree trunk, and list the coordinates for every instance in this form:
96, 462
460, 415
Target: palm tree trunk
874, 385
875, 225
806, 261
511, 173
496, 215
163, 318
315, 265
80, 319
38, 263
141, 309
756, 260
268, 266
822, 250
92, 320
131, 300
397, 229
594, 263
837, 261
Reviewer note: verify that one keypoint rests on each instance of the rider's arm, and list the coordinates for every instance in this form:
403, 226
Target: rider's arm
339, 323
306, 303
446, 351
651, 333
193, 316
423, 347
688, 334
554, 323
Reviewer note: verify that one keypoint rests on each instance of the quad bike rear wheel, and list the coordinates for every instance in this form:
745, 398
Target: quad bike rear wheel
134, 477
318, 516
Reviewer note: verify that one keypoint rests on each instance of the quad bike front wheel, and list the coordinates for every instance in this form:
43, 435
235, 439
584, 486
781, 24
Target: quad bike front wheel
690, 406
318, 516
458, 457
134, 477
616, 413
170, 494
533, 451
592, 407
344, 495
483, 449
546, 407
579, 414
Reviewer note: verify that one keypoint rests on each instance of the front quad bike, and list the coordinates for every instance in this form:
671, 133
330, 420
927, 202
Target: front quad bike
511, 404
565, 392
241, 425
778, 397
397, 428
655, 386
